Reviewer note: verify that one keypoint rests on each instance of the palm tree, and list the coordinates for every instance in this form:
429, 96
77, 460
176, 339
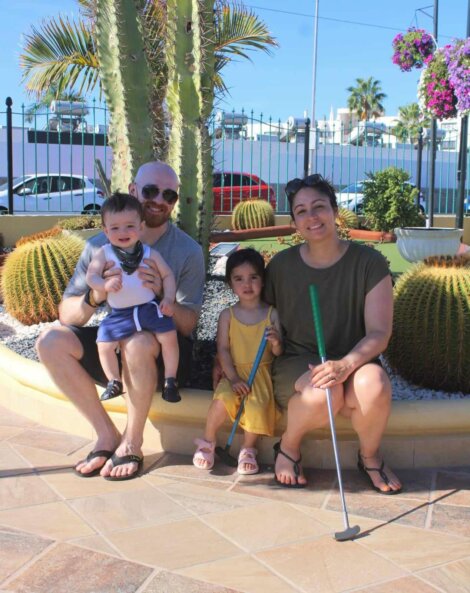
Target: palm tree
44, 101
366, 98
411, 120
62, 52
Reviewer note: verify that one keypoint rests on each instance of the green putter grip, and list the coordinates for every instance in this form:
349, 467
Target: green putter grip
317, 320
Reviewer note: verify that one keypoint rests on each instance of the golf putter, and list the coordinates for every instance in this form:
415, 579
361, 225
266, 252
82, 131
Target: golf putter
349, 532
223, 453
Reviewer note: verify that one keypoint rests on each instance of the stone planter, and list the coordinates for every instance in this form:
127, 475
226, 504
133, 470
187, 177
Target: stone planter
418, 243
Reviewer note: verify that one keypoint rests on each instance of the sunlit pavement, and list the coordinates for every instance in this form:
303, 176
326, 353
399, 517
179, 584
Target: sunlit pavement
177, 529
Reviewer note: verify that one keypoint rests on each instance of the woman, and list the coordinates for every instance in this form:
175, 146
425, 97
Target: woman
356, 300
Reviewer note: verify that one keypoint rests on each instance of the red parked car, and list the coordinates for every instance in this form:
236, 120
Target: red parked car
229, 188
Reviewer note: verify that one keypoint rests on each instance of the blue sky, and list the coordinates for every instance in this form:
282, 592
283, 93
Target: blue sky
281, 84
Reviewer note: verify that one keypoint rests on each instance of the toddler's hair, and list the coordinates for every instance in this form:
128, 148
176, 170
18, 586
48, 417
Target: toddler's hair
119, 202
244, 256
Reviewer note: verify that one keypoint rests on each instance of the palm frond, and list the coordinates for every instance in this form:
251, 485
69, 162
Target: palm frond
61, 53
238, 29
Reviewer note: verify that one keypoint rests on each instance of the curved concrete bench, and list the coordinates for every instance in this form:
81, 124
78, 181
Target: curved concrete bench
419, 433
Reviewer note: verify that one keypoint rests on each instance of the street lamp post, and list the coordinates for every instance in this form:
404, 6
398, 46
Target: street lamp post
462, 173
432, 169
313, 124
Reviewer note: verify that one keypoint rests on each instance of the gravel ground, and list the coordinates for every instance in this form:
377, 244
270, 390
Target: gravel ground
217, 296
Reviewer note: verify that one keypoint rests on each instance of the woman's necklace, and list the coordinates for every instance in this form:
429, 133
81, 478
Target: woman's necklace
129, 260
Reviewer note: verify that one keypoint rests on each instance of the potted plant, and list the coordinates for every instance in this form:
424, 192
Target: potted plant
390, 201
412, 48
436, 94
83, 226
457, 58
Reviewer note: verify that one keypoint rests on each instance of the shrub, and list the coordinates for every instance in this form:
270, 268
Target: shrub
390, 201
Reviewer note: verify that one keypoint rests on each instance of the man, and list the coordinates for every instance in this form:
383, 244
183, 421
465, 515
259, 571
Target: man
69, 352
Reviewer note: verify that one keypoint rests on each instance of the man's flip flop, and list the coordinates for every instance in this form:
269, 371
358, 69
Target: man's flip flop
92, 455
295, 463
116, 460
383, 475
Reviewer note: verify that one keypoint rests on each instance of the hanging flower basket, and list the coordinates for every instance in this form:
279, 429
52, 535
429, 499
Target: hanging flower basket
436, 94
457, 58
412, 48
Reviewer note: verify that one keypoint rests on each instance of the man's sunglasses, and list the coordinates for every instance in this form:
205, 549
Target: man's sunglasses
150, 192
296, 184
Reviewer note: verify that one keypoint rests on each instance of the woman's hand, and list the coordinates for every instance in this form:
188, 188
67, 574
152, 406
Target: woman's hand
327, 374
239, 386
151, 277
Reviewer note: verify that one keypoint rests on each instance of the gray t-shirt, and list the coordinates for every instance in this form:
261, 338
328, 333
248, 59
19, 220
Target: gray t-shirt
179, 250
342, 290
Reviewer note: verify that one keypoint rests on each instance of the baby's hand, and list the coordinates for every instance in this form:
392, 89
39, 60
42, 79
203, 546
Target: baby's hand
113, 283
167, 307
272, 335
240, 387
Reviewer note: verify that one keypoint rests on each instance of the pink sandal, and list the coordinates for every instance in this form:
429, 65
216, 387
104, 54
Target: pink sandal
206, 455
247, 455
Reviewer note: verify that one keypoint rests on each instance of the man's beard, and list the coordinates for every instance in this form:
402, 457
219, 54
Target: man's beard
154, 220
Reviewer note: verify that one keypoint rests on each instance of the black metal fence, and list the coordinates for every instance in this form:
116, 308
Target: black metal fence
48, 158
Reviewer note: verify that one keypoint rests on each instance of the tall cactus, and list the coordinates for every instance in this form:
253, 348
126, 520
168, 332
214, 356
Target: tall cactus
430, 343
125, 77
252, 214
35, 275
190, 62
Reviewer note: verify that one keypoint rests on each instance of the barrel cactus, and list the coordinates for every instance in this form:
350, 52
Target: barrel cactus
430, 345
252, 214
35, 275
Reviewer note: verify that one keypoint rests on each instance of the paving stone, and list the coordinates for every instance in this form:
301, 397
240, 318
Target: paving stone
18, 548
168, 582
72, 569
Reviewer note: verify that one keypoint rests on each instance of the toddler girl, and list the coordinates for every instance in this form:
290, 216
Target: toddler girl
239, 333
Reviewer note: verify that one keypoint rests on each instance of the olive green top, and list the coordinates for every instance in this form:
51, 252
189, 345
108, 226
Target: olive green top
342, 290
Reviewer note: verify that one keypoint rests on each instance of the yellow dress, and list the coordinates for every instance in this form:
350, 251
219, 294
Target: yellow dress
259, 415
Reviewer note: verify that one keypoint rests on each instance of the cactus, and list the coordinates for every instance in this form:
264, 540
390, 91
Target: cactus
125, 77
53, 232
430, 344
252, 214
35, 275
190, 66
347, 218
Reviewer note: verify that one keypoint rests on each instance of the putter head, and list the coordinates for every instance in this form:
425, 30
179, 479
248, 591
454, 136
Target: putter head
349, 533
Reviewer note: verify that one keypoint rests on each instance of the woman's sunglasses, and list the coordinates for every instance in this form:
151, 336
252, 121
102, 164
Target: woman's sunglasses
296, 184
150, 192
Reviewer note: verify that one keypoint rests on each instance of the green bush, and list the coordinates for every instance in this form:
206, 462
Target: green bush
390, 201
77, 223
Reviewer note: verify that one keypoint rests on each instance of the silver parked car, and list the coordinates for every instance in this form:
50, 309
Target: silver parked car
352, 197
52, 193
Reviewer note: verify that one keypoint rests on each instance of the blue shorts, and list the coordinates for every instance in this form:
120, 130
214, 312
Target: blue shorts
122, 323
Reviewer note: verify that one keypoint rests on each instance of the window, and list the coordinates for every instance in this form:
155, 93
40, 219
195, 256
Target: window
217, 180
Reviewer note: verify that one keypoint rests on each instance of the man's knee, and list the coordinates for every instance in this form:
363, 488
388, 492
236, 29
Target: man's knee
57, 340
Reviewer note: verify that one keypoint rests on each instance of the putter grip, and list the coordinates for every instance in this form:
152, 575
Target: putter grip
259, 355
317, 320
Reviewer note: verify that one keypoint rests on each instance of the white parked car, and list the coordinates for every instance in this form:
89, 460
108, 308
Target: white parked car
52, 193
352, 197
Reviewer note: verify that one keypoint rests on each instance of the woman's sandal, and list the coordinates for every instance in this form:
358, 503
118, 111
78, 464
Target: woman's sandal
382, 474
296, 466
201, 455
246, 456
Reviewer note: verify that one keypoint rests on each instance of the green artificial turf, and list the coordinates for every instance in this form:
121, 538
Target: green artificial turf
398, 265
